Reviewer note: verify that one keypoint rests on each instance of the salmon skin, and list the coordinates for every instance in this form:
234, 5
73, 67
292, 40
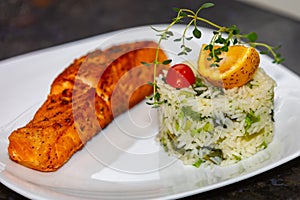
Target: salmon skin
83, 100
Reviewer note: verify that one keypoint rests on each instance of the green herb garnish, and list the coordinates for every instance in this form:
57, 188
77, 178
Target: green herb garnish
198, 163
188, 111
223, 37
250, 119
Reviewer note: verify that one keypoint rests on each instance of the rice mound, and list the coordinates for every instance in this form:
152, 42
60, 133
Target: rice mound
211, 125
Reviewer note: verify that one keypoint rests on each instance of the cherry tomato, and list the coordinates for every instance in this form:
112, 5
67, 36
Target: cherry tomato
180, 76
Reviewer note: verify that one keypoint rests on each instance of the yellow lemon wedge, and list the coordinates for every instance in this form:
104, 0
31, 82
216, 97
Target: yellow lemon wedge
236, 68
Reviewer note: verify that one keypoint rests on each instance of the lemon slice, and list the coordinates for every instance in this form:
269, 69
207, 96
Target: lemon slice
236, 68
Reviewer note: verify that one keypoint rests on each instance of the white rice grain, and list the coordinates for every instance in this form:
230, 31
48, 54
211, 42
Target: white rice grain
218, 126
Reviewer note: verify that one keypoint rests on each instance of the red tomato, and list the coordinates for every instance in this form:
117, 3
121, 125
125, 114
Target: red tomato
180, 76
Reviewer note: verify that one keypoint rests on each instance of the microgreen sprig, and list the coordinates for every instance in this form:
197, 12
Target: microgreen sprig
223, 37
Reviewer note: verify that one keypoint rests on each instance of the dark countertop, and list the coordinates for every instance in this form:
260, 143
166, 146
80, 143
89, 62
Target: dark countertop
28, 25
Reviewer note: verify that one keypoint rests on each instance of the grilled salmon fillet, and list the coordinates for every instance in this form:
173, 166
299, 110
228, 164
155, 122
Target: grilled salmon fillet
83, 100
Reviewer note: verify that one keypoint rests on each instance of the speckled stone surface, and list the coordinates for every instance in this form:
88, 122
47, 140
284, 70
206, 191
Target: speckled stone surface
29, 25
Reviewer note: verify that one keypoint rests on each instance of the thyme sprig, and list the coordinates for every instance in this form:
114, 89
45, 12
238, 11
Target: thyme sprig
222, 38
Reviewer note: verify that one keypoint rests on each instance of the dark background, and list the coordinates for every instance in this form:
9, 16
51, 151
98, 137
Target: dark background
29, 25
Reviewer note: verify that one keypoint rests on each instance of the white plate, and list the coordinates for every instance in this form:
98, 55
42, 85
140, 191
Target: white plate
124, 160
